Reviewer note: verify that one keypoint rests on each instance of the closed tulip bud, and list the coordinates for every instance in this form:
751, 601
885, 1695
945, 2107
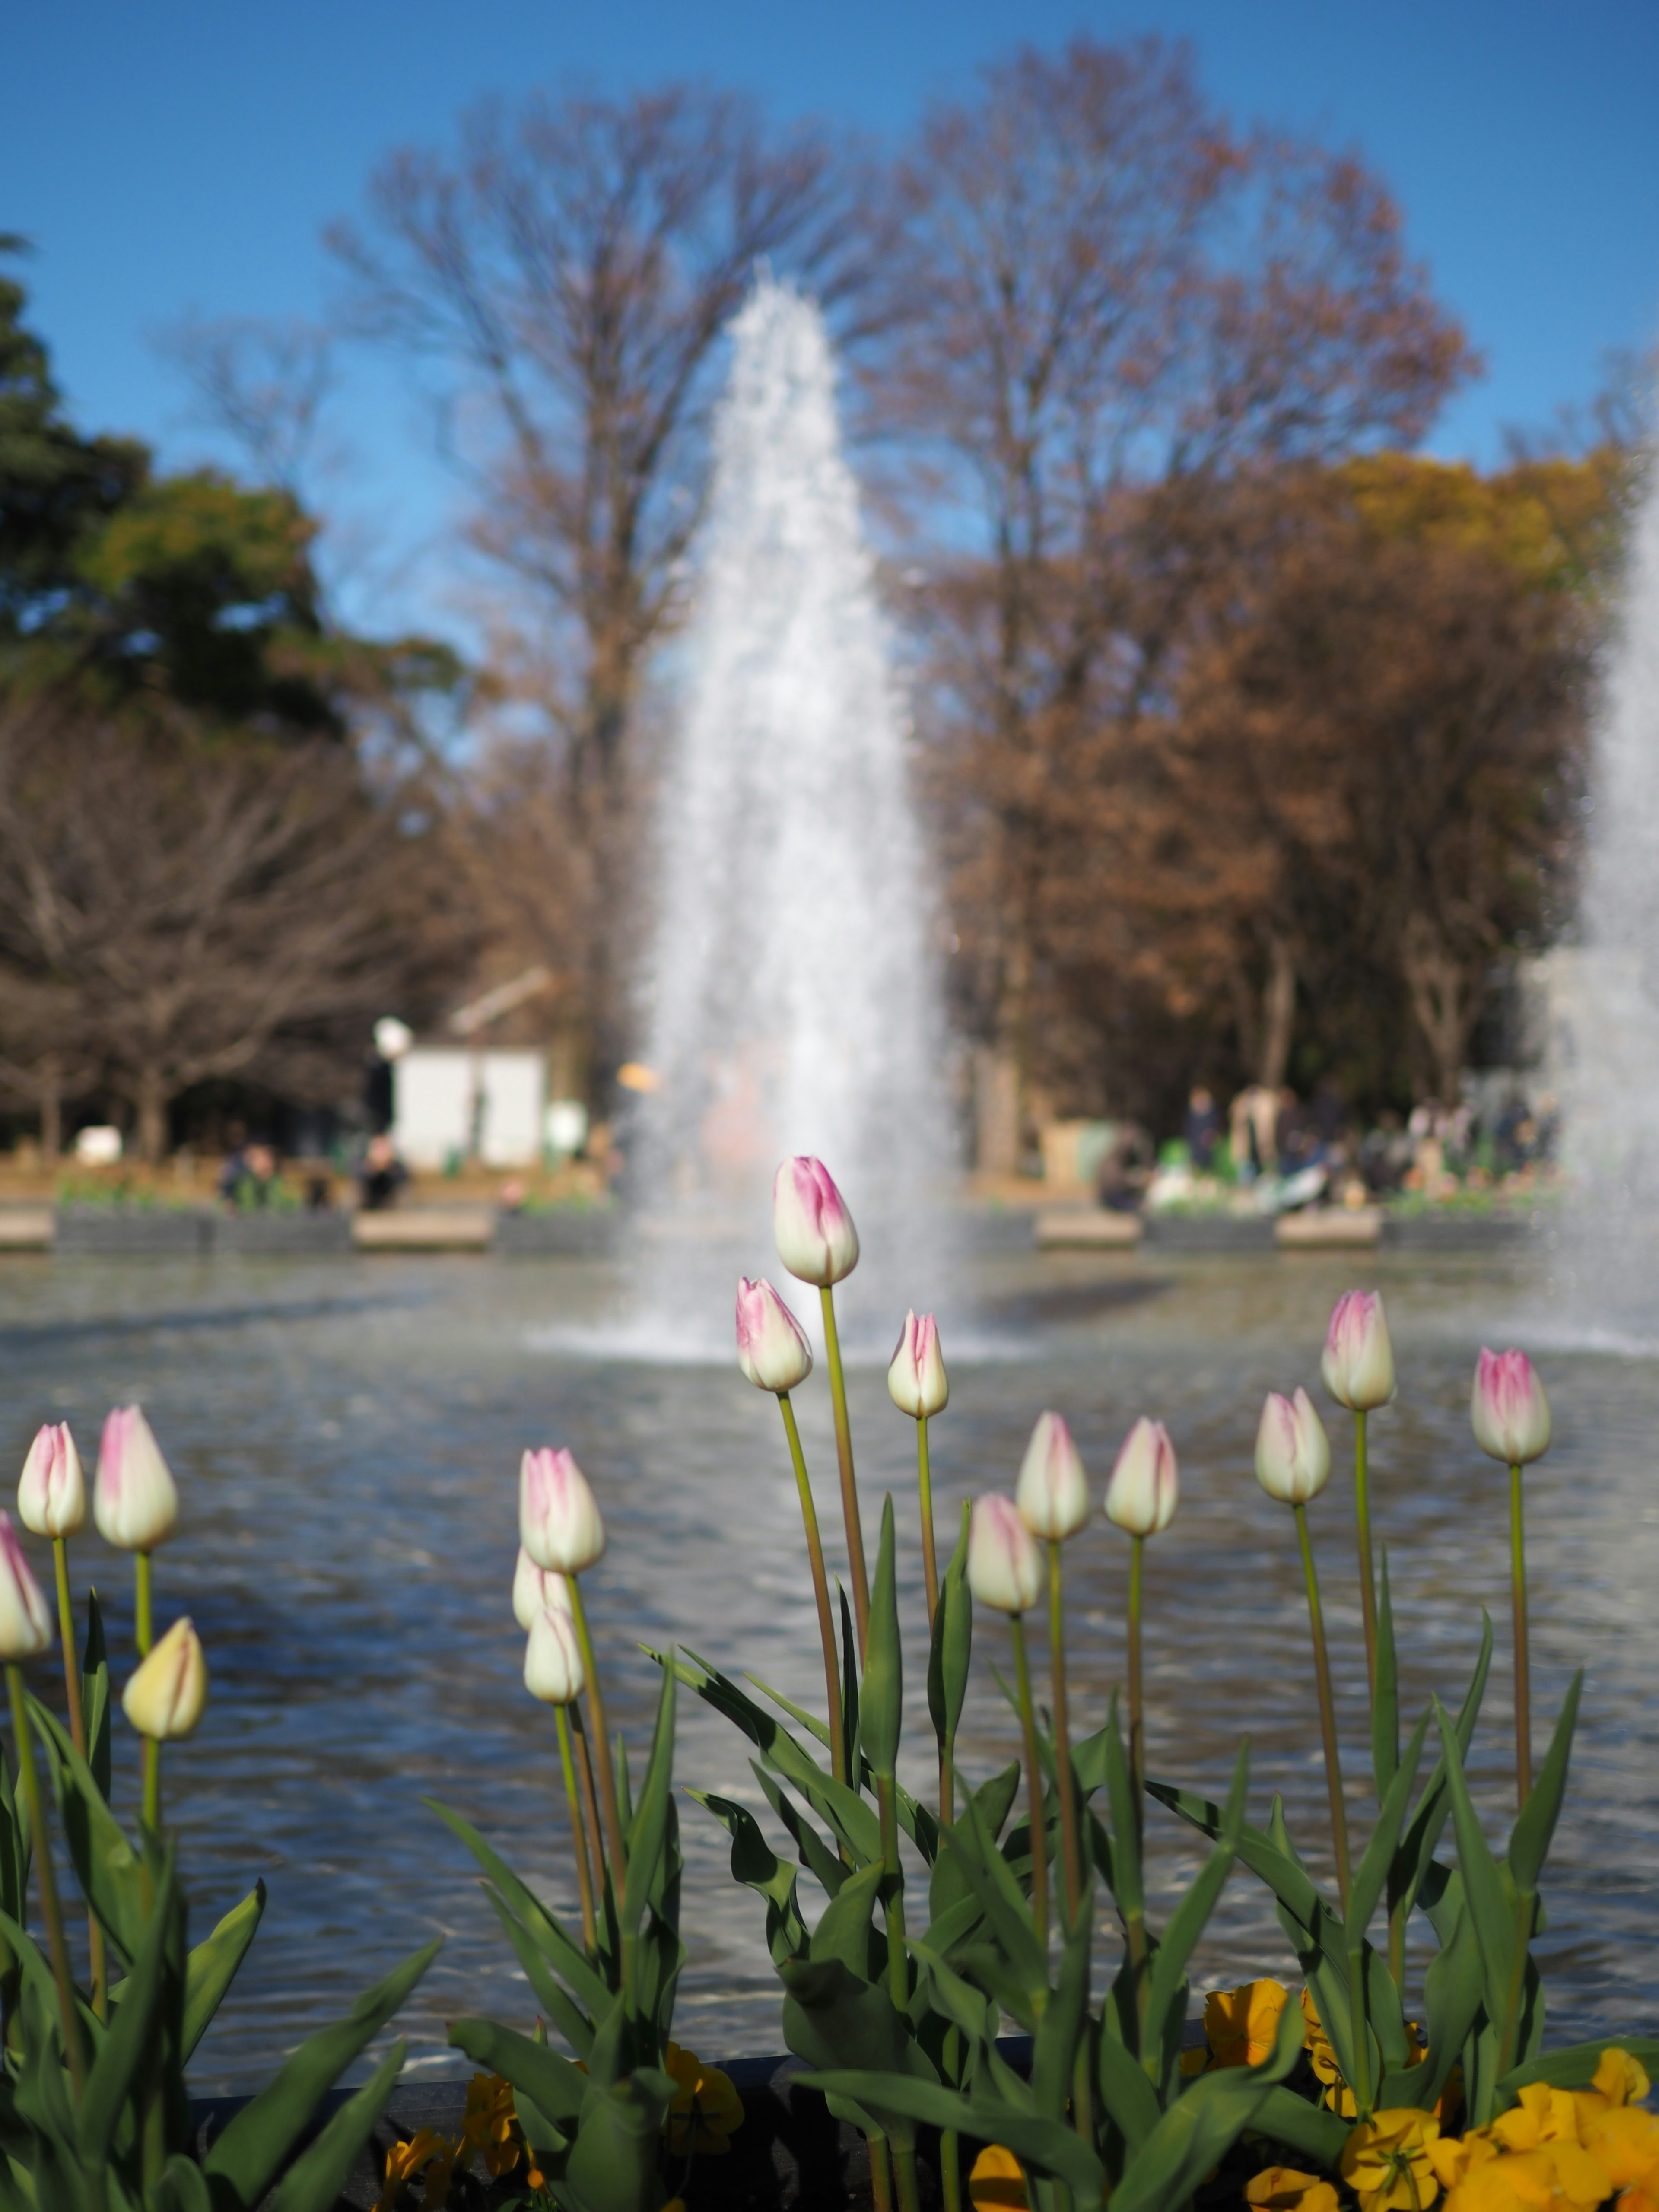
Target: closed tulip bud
772, 1348
51, 1496
1358, 1362
916, 1381
168, 1694
559, 1523
1510, 1413
25, 1623
553, 1660
535, 1590
1053, 1490
1292, 1452
815, 1235
1145, 1485
134, 1499
1004, 1567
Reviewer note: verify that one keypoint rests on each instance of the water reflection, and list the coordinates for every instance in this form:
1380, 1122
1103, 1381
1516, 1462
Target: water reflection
346, 1436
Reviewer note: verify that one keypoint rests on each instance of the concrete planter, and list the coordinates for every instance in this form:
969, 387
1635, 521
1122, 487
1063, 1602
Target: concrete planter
286, 1235
123, 1233
562, 1232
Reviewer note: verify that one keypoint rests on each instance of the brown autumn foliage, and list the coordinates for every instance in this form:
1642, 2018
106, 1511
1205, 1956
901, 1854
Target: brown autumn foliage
1351, 794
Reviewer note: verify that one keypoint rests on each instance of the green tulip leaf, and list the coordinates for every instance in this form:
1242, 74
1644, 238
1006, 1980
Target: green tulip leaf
1166, 2005
556, 2087
648, 1830
566, 1957
314, 2181
1529, 1840
1385, 1695
953, 1642
1573, 2066
758, 1867
211, 1967
1197, 2131
1047, 2145
826, 1870
883, 1693
1373, 1868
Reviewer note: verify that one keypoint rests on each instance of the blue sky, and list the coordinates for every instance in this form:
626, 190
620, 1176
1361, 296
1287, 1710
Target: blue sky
183, 159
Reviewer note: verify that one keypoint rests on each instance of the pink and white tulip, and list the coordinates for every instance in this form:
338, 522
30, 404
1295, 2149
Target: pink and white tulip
559, 1521
1145, 1485
25, 1623
1358, 1361
772, 1348
1507, 1407
916, 1381
535, 1590
815, 1235
1292, 1452
51, 1496
168, 1696
135, 1500
1053, 1490
1004, 1567
553, 1660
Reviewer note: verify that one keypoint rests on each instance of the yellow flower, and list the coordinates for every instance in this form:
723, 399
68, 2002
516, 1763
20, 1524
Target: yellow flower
1240, 2025
1540, 2115
1386, 2162
1283, 2189
706, 2108
488, 2124
1619, 2080
1624, 2142
1524, 2181
424, 2150
998, 2181
1454, 2159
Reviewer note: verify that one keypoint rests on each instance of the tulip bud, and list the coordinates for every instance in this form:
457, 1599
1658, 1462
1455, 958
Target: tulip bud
916, 1381
1292, 1452
815, 1238
1357, 1363
52, 1498
1510, 1413
1145, 1485
559, 1523
1053, 1490
166, 1697
1004, 1567
553, 1660
534, 1590
25, 1624
772, 1348
134, 1499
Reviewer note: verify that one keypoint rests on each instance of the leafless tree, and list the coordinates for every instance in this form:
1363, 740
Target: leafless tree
568, 275
1113, 301
194, 907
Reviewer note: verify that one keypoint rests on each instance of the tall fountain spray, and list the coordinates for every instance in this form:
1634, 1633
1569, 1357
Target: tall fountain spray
1604, 1046
793, 1003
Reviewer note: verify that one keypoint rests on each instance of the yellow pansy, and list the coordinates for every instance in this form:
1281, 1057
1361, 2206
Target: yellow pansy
1386, 2162
1540, 2115
1623, 2140
487, 2125
425, 2151
1523, 2182
1619, 2079
1453, 2158
1284, 2189
1240, 2025
706, 2110
998, 2181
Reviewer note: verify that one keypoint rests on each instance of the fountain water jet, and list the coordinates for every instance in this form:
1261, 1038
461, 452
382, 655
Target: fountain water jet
793, 1003
1604, 1042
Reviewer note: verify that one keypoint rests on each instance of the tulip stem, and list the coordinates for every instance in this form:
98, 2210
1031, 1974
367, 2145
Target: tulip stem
49, 1910
66, 1629
608, 1803
849, 1489
1367, 1577
1068, 1836
152, 1785
1326, 1708
579, 1841
925, 1484
591, 1813
1137, 1721
142, 1633
809, 1514
1034, 1780
1522, 1658
881, 2184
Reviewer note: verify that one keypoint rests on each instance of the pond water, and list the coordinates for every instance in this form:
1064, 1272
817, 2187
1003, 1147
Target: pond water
347, 1435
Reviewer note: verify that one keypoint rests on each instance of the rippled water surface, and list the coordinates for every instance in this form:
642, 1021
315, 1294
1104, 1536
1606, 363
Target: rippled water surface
347, 1435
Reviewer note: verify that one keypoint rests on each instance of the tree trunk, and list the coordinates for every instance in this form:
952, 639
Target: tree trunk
1277, 1014
996, 1111
153, 1101
51, 1112
1444, 1002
